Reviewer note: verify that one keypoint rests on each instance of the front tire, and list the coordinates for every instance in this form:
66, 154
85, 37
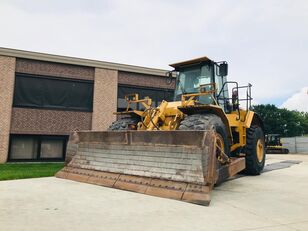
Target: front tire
207, 122
255, 151
124, 124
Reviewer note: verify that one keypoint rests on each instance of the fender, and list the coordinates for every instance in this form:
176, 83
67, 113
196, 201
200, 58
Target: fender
253, 119
209, 109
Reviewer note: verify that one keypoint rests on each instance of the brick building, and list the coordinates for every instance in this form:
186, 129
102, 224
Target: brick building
44, 97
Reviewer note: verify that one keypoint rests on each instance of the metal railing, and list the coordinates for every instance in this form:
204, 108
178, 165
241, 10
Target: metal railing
235, 99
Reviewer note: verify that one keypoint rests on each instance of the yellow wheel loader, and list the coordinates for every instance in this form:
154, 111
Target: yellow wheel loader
273, 144
179, 149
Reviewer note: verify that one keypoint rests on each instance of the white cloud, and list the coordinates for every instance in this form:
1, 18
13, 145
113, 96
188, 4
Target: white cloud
298, 101
263, 41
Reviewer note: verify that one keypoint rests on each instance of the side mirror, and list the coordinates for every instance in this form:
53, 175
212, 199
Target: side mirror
169, 76
223, 69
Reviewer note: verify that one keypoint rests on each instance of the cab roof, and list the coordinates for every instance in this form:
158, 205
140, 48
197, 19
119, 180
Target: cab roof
189, 62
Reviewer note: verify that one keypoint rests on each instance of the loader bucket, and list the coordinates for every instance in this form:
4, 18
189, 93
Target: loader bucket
180, 165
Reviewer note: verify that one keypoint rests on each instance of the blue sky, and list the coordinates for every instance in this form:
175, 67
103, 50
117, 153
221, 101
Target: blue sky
264, 41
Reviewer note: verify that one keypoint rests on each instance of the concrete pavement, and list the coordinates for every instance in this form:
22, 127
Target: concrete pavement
275, 200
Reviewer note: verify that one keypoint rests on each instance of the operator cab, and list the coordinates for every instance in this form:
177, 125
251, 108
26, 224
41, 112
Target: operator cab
203, 73
273, 140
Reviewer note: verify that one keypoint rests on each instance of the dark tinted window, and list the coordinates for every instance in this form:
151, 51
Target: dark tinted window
37, 147
38, 92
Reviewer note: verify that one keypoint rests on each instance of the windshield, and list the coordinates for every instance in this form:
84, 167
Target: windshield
190, 79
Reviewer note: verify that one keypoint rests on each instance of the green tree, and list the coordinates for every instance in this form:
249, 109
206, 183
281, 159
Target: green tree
282, 121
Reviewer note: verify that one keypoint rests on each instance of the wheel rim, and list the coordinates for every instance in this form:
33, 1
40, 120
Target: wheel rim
260, 150
220, 144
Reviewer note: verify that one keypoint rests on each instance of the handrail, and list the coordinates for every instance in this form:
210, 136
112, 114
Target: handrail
248, 97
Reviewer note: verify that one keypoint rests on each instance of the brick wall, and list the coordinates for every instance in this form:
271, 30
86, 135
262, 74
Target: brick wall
48, 122
7, 74
105, 98
144, 80
36, 67
57, 122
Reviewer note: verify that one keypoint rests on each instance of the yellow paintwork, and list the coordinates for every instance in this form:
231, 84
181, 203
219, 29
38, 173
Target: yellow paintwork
244, 119
167, 116
260, 150
277, 147
240, 123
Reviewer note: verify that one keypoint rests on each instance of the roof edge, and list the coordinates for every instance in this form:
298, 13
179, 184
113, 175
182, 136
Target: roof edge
189, 62
79, 61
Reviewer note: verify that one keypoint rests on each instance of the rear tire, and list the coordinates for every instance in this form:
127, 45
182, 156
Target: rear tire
206, 122
124, 124
255, 151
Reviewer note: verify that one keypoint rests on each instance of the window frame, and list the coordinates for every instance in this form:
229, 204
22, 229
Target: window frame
39, 139
56, 108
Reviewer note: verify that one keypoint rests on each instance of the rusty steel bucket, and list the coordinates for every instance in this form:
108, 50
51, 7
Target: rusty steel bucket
180, 165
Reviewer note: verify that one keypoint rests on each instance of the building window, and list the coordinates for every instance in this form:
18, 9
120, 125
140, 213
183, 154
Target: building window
157, 95
24, 148
52, 93
37, 147
51, 148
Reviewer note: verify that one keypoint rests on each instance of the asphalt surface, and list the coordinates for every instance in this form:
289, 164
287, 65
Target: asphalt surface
275, 200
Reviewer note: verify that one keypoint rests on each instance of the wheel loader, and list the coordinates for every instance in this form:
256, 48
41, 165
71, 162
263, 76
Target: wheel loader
273, 144
180, 149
